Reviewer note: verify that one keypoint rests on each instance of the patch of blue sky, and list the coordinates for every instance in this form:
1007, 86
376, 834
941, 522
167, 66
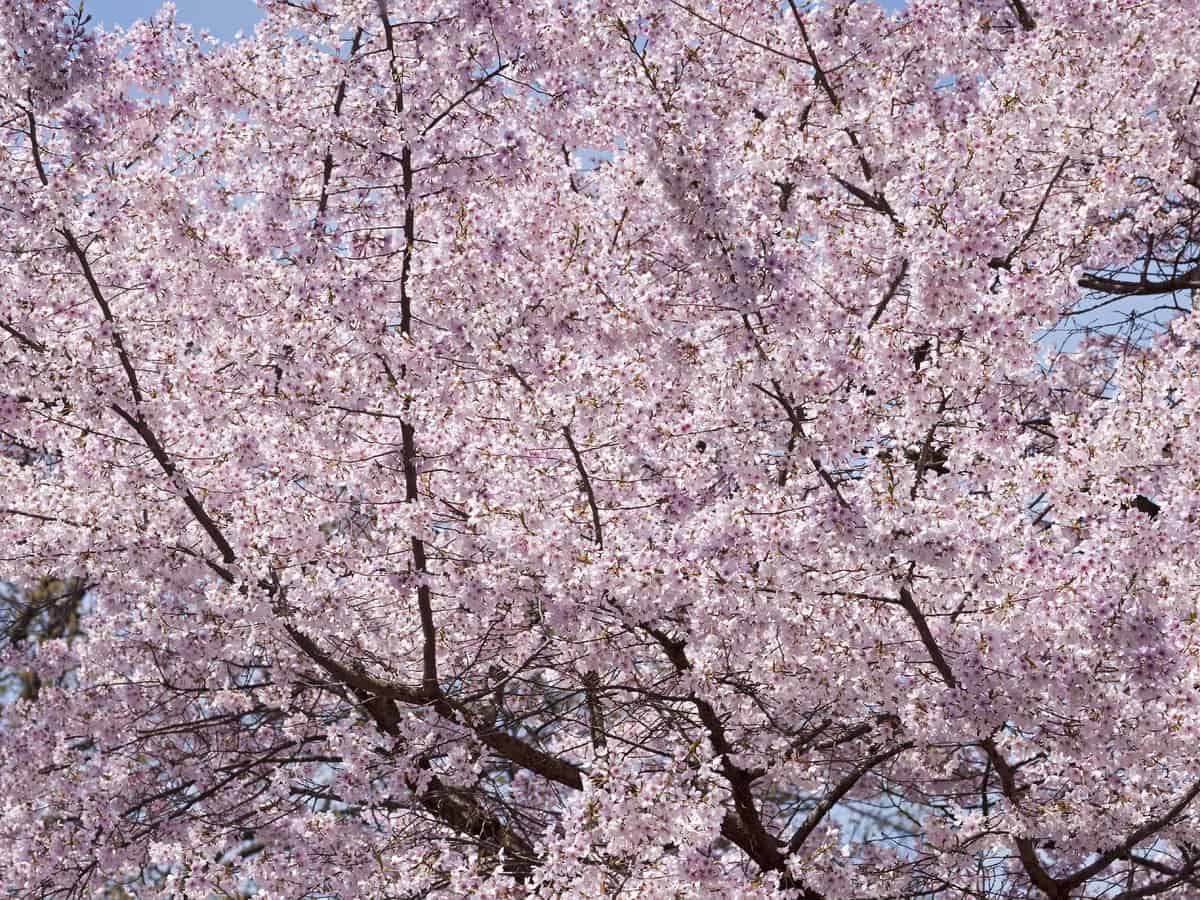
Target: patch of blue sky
223, 18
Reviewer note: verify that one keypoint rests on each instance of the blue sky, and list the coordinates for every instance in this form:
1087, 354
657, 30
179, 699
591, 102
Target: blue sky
222, 17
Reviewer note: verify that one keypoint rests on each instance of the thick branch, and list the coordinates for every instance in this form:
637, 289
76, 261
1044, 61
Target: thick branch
37, 152
1025, 848
1023, 15
925, 458
29, 342
748, 833
466, 816
356, 680
369, 689
876, 201
1143, 287
931, 646
591, 687
410, 240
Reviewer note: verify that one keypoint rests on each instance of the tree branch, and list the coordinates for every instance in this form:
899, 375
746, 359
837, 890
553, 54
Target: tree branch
466, 96
892, 289
931, 646
597, 534
37, 153
98, 294
168, 467
1005, 262
338, 97
1104, 860
29, 342
1023, 15
748, 833
1189, 280
1025, 848
840, 790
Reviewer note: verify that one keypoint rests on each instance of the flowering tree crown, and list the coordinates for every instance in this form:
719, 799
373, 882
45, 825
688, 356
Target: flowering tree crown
579, 449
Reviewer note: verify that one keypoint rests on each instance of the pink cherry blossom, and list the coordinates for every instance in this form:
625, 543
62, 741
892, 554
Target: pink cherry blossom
585, 449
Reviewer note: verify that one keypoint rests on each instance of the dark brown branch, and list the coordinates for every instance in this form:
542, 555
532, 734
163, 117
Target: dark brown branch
571, 179
429, 666
512, 370
430, 685
478, 85
516, 751
646, 70
1005, 262
464, 814
892, 289
1157, 866
786, 405
408, 454
931, 646
1023, 16
925, 459
135, 420
797, 423
747, 831
876, 201
94, 285
195, 507
818, 72
829, 482
37, 152
338, 97
1104, 860
786, 189
410, 240
738, 36
840, 790
29, 342
39, 517
586, 481
390, 45
1025, 848
468, 817
591, 687
1184, 876
1145, 505
371, 690
1143, 287
985, 800
356, 680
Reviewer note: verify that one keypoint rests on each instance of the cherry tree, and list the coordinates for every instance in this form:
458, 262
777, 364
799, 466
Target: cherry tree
593, 448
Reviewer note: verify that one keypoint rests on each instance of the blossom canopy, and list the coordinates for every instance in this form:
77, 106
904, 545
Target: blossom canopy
584, 448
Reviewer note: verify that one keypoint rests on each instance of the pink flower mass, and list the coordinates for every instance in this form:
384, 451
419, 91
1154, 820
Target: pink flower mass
573, 448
